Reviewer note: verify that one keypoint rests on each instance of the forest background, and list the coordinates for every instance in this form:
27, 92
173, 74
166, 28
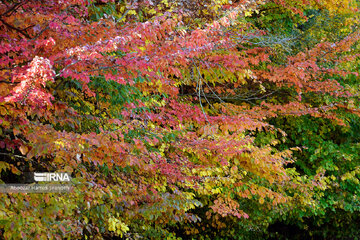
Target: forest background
182, 119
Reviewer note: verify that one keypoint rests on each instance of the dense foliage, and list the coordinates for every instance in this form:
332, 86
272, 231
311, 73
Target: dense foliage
182, 119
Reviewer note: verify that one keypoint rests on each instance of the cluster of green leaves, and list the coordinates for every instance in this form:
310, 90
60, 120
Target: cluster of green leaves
323, 146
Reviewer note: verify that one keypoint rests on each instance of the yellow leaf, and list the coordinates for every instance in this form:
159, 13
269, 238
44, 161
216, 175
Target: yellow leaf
4, 165
23, 149
248, 14
152, 11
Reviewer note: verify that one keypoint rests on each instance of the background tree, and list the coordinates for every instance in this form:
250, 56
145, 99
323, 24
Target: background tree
209, 120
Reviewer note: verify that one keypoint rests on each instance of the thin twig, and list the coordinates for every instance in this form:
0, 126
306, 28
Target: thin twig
14, 155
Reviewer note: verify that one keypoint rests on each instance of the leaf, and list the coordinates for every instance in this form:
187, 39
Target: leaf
4, 166
14, 170
23, 149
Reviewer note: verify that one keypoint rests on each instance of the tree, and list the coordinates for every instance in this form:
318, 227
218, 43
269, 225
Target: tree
167, 114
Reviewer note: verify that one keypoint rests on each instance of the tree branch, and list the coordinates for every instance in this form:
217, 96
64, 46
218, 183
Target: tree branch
15, 28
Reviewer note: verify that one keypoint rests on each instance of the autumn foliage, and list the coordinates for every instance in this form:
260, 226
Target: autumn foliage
181, 119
